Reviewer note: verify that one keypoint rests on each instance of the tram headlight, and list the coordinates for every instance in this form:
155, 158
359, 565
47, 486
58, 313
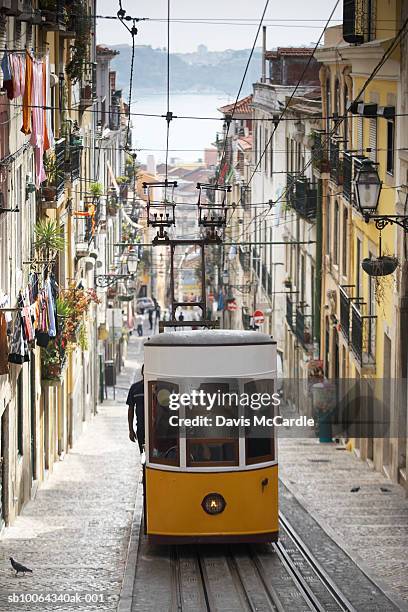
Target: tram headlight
213, 503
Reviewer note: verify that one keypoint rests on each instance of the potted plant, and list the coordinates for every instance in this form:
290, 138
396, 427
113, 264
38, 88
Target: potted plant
380, 266
54, 174
96, 190
48, 239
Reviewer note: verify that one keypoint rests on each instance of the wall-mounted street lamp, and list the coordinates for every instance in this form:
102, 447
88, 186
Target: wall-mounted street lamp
368, 189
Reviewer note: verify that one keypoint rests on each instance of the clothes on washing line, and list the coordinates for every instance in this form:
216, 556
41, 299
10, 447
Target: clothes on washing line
4, 366
26, 127
7, 75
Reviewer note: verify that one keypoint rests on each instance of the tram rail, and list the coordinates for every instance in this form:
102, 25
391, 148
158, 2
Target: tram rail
284, 576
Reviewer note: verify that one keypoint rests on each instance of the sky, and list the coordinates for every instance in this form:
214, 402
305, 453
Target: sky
291, 23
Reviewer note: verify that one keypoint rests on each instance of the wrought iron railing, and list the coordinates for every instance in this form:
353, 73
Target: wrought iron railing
347, 176
345, 314
305, 199
363, 341
60, 162
74, 162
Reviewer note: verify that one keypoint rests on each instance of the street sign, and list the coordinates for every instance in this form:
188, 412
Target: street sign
232, 306
258, 317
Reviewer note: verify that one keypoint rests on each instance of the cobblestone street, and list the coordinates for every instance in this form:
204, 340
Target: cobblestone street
370, 524
74, 534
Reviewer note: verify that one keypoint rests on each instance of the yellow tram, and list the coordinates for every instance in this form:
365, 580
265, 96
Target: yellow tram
213, 480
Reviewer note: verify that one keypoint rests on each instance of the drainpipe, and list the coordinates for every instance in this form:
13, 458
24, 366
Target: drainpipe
318, 276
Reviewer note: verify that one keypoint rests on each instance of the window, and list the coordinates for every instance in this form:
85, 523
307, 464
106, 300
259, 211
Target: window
336, 100
336, 234
266, 152
344, 242
373, 139
360, 134
259, 439
390, 146
302, 277
163, 437
213, 445
328, 228
359, 283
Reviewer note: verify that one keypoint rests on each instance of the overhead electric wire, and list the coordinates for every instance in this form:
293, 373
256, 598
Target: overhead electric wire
290, 98
230, 118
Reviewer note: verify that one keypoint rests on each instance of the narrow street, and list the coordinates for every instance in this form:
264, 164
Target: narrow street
74, 534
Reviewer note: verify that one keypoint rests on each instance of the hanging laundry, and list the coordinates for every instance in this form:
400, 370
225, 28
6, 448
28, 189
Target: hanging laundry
52, 329
42, 335
27, 99
18, 349
4, 351
7, 75
37, 122
16, 62
48, 135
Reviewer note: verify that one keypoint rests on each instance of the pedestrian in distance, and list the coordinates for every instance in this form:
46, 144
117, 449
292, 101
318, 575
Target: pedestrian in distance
139, 324
135, 402
151, 311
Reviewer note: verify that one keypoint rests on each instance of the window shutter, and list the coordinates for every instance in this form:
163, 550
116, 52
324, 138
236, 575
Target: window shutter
360, 135
373, 139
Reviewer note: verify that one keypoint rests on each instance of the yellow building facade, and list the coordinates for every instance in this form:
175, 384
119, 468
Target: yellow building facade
359, 323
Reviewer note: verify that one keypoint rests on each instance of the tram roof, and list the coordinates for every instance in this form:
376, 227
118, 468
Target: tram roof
213, 337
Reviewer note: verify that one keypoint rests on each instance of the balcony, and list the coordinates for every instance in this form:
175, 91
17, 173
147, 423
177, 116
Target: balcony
345, 314
334, 159
73, 165
305, 199
54, 15
347, 176
362, 340
60, 174
88, 85
320, 159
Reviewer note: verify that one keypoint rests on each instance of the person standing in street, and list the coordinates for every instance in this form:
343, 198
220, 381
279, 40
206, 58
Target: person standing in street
139, 324
135, 402
151, 311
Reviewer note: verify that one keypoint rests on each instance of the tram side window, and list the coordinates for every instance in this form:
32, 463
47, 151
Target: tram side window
216, 444
163, 437
259, 439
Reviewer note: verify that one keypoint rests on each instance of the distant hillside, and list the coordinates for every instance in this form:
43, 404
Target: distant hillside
202, 71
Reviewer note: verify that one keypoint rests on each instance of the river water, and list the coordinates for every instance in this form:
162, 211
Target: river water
190, 137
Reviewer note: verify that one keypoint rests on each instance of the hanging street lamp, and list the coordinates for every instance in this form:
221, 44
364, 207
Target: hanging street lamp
368, 187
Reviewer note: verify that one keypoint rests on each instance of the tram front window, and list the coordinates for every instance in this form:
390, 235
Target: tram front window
215, 443
259, 440
163, 438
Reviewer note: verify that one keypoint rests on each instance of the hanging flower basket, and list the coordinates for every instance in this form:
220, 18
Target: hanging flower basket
380, 266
